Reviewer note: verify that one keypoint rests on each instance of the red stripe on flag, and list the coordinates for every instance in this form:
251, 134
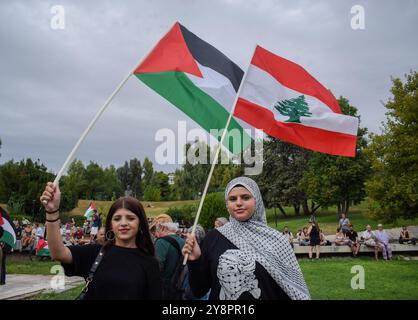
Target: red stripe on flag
170, 54
293, 76
335, 143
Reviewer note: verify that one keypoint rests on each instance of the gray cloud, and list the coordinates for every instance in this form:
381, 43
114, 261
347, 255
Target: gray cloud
52, 82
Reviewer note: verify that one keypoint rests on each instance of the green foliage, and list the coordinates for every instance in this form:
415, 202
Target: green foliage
184, 214
15, 205
394, 155
24, 180
191, 179
334, 180
213, 207
152, 193
283, 168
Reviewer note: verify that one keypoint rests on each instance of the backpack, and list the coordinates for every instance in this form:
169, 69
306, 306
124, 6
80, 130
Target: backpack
178, 287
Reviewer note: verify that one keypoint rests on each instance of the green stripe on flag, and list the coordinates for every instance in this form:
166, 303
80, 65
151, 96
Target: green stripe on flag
9, 239
177, 88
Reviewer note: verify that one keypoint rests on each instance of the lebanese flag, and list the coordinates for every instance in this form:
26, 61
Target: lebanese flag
9, 233
284, 100
198, 79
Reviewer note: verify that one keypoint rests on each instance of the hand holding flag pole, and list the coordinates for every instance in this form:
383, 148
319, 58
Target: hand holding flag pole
215, 159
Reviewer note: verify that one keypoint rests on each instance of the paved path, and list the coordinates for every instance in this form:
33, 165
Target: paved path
20, 286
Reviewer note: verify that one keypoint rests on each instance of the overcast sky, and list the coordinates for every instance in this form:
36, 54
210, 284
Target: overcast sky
52, 82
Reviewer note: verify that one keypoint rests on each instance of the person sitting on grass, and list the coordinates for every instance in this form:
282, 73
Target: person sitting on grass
370, 240
382, 239
406, 237
354, 244
341, 239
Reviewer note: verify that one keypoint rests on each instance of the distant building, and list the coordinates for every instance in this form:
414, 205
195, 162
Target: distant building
171, 178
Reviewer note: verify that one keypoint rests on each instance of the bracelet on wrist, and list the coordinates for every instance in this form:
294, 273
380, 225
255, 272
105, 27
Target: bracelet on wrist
51, 221
52, 212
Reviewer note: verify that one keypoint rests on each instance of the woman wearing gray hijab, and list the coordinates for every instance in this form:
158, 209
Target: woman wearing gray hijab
244, 259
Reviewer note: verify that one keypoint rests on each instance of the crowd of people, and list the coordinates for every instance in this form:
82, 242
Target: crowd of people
135, 257
379, 239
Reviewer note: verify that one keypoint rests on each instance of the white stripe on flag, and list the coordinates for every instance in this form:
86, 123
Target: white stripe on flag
215, 85
264, 90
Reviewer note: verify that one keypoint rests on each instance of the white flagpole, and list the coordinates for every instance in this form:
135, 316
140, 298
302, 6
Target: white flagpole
218, 149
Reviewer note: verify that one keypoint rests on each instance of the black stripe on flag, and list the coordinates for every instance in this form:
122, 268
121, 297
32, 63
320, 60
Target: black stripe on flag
211, 57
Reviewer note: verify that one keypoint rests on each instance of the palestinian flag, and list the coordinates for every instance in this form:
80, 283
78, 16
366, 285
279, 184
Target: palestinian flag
285, 101
42, 248
9, 233
90, 211
198, 79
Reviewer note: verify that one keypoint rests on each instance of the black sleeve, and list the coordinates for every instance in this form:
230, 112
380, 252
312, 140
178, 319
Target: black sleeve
154, 281
199, 270
83, 258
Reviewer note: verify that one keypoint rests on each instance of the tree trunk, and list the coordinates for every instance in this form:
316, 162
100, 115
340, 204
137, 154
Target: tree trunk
282, 210
305, 207
297, 209
339, 208
314, 207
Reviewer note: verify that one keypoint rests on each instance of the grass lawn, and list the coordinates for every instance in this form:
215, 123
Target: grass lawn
21, 264
67, 295
331, 279
327, 278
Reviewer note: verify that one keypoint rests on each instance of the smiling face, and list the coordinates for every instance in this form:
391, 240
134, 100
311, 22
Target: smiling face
240, 203
125, 225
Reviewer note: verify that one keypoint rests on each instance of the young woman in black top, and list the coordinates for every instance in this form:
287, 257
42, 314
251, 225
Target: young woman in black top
128, 269
244, 259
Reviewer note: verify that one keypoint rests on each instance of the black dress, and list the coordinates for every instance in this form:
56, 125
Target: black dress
219, 269
314, 238
123, 274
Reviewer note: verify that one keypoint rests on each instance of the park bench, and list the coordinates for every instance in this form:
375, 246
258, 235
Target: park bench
336, 250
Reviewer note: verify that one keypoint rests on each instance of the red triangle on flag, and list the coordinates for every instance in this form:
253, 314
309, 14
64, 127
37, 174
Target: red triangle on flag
170, 54
1, 219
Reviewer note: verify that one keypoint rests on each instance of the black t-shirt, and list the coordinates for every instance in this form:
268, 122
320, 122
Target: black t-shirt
124, 273
352, 235
203, 274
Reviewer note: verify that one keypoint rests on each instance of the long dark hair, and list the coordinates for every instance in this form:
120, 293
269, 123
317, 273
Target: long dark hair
143, 237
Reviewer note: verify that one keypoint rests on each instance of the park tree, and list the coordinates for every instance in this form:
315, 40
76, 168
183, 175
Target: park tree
136, 177
21, 185
394, 155
336, 180
284, 166
124, 175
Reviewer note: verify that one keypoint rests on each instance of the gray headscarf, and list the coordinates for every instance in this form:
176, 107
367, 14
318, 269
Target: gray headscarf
266, 245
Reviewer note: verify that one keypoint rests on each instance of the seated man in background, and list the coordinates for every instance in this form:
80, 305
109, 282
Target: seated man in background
382, 239
354, 244
289, 235
369, 240
406, 237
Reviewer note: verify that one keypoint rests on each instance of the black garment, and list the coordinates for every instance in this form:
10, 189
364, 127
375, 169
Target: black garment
314, 237
203, 272
352, 235
124, 273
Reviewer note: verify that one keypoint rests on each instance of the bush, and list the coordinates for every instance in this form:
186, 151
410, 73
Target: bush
152, 194
183, 215
213, 207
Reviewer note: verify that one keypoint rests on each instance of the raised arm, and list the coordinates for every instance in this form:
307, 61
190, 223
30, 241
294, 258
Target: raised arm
58, 251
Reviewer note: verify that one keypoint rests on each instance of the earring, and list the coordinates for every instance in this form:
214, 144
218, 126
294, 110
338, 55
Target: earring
110, 237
